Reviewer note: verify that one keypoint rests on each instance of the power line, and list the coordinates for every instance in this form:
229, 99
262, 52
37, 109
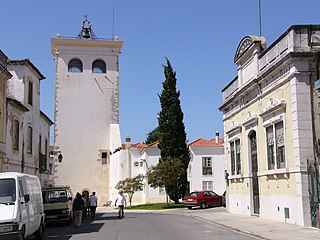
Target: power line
210, 45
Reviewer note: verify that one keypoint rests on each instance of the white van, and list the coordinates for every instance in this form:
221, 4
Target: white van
21, 208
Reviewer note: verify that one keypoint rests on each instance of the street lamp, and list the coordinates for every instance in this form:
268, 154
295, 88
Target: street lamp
145, 161
60, 157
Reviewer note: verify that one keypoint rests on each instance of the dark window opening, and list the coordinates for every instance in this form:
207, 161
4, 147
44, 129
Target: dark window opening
99, 66
75, 65
30, 93
16, 135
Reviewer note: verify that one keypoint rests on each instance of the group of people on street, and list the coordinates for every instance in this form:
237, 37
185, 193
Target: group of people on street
82, 206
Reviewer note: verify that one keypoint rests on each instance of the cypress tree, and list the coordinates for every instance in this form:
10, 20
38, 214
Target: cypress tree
172, 132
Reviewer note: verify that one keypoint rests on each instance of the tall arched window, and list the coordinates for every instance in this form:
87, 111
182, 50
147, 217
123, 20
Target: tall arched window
16, 135
99, 66
29, 140
75, 65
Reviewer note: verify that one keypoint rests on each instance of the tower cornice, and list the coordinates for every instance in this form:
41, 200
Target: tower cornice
84, 43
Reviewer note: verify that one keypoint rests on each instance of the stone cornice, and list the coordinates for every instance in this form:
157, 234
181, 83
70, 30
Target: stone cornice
84, 43
262, 75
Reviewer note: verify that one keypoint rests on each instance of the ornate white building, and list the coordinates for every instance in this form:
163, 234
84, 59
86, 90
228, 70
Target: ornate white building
269, 126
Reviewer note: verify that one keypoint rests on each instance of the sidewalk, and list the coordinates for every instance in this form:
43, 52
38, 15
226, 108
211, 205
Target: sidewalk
255, 226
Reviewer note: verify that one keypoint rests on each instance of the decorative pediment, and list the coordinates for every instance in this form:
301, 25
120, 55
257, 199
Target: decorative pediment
274, 106
250, 120
246, 44
234, 129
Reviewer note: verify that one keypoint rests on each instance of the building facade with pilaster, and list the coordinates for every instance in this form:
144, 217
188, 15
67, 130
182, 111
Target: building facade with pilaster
268, 115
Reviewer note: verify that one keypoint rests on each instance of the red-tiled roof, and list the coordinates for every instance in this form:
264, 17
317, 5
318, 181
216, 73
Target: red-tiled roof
201, 142
153, 145
138, 145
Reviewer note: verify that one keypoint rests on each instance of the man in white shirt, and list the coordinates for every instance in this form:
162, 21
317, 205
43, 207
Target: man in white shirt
93, 204
121, 203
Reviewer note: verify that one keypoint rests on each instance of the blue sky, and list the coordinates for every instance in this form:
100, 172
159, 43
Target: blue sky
198, 37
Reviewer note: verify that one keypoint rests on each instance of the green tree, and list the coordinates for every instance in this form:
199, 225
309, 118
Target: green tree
172, 133
131, 185
153, 136
168, 174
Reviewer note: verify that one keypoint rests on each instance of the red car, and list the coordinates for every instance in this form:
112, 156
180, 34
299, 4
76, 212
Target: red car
202, 199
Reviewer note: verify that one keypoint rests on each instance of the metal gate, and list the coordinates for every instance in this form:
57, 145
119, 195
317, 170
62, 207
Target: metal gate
313, 178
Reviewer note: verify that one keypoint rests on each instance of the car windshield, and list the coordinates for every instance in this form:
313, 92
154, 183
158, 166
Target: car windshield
194, 194
54, 196
7, 190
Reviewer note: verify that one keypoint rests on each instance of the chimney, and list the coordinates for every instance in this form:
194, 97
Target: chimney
217, 137
128, 142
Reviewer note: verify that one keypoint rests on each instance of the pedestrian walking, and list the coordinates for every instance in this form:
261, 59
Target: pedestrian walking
78, 207
84, 211
121, 203
93, 204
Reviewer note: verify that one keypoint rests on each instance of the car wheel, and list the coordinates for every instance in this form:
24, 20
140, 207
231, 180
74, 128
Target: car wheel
203, 205
69, 221
189, 208
22, 234
39, 232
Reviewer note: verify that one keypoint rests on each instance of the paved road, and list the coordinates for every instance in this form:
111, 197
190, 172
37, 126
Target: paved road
143, 226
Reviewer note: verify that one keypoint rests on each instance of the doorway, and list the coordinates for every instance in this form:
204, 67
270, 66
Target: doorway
254, 165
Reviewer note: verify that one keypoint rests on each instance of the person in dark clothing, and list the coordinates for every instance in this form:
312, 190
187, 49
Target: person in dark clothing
78, 206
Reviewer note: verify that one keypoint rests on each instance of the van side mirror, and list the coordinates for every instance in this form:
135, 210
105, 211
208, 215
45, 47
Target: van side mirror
70, 198
26, 198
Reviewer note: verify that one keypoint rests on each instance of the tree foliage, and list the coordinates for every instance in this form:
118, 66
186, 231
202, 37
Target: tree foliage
153, 136
172, 135
169, 174
131, 185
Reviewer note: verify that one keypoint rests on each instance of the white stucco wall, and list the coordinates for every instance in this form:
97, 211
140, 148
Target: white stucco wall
13, 160
28, 116
86, 104
196, 177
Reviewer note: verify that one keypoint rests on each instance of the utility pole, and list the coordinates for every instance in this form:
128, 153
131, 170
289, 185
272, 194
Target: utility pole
260, 24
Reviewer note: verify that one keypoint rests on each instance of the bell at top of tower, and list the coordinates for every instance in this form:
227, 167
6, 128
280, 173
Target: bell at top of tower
86, 31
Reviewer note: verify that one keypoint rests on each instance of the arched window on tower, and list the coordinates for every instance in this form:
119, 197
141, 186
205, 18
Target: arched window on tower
75, 65
99, 66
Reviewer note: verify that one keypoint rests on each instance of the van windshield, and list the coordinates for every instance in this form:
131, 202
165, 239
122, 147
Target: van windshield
54, 196
7, 191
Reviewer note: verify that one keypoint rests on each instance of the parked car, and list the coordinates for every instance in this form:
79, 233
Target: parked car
202, 199
224, 199
57, 202
21, 209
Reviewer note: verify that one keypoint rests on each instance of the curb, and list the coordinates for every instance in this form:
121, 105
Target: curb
230, 227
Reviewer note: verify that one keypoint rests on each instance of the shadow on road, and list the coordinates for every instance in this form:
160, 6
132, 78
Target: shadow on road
65, 232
